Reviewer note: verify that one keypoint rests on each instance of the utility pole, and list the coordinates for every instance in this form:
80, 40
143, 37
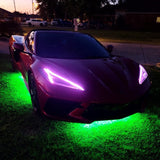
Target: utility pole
32, 7
14, 5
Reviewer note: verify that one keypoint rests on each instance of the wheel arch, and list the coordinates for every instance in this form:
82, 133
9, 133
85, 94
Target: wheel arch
33, 93
28, 74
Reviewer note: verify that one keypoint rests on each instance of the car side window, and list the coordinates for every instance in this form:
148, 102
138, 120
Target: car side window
30, 41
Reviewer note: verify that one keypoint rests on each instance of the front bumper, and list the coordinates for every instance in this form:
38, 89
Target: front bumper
75, 108
89, 112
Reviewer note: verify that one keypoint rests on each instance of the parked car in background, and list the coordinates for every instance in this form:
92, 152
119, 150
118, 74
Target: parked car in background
56, 22
67, 23
36, 22
61, 23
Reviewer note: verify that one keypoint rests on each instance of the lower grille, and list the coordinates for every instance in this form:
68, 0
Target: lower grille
64, 108
111, 111
60, 107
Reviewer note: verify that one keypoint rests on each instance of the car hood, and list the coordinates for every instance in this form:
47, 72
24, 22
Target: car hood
111, 80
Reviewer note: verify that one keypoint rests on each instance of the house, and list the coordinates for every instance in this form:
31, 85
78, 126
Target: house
139, 15
138, 20
15, 16
5, 15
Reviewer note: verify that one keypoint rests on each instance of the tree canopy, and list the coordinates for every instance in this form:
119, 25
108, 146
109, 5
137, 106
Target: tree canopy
49, 9
142, 5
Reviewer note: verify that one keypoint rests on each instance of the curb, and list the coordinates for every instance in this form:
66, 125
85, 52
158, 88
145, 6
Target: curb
2, 38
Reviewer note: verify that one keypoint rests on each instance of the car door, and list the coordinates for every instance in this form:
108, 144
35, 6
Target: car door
26, 56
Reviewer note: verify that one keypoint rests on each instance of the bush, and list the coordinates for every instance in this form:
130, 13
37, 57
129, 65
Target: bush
10, 27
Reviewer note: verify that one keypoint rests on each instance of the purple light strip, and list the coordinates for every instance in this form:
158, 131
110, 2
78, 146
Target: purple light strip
142, 75
50, 77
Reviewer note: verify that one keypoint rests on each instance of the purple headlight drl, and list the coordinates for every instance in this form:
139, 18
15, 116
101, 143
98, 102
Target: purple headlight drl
142, 74
59, 80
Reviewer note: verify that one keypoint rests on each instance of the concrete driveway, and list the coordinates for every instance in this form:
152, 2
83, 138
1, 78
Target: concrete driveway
141, 53
4, 45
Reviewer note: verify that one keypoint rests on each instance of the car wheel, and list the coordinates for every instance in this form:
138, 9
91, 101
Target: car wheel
29, 24
33, 93
41, 24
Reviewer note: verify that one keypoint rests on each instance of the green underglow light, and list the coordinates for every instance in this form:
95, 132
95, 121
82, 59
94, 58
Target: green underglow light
101, 131
107, 122
13, 90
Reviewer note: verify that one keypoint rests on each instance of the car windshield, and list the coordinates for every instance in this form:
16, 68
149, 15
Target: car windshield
68, 45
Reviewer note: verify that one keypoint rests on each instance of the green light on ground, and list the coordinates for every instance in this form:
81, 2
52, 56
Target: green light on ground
100, 123
13, 90
116, 130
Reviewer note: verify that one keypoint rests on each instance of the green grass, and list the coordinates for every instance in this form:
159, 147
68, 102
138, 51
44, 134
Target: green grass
120, 36
24, 135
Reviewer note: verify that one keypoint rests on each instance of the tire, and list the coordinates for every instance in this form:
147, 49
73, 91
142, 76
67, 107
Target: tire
29, 24
34, 94
41, 24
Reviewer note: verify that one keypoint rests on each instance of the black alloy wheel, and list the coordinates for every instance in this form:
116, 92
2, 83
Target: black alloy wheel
33, 93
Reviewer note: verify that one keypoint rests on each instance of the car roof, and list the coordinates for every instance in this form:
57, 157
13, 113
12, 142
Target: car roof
58, 31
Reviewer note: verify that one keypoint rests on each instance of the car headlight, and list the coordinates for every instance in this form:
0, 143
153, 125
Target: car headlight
142, 74
61, 81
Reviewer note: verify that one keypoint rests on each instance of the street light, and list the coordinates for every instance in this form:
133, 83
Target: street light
14, 5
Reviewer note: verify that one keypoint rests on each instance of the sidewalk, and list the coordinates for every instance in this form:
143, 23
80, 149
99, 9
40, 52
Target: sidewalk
141, 53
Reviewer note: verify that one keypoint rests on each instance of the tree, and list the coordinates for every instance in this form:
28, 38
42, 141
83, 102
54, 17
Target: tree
47, 8
71, 8
142, 5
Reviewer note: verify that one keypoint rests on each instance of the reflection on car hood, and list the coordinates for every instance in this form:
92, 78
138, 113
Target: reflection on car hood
116, 76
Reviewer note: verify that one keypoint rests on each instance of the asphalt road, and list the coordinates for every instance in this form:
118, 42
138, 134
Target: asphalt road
141, 53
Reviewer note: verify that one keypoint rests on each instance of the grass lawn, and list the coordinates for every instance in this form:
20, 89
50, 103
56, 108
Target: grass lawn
24, 135
112, 35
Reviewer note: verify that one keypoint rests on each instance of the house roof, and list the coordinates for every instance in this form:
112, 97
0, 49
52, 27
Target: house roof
5, 13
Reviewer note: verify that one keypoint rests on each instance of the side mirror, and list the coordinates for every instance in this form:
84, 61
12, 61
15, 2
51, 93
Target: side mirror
18, 46
109, 48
